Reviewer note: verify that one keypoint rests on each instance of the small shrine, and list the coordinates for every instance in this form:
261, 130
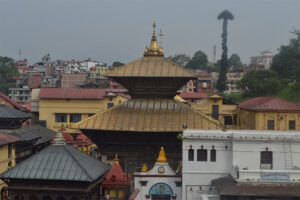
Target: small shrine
159, 183
116, 182
85, 144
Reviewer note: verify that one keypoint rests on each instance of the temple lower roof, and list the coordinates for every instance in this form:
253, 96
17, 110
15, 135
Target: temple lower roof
149, 115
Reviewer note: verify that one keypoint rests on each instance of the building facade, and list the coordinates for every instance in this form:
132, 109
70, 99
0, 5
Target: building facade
265, 59
216, 165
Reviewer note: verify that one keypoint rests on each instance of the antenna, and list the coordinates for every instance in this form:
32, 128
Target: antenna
20, 54
215, 52
160, 37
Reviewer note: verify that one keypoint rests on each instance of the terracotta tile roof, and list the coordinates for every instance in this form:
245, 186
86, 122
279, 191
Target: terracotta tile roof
6, 139
228, 186
71, 93
269, 103
149, 115
10, 100
193, 95
151, 67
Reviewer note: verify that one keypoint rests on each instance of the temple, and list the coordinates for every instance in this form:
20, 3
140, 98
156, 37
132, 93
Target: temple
151, 118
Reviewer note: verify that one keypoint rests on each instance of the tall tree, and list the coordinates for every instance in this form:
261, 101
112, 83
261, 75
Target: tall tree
7, 72
199, 61
234, 62
287, 62
180, 59
117, 64
221, 83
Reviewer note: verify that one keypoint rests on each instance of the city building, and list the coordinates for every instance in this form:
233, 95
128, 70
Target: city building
7, 154
240, 164
218, 108
64, 107
205, 82
98, 71
232, 80
58, 172
269, 113
265, 59
116, 183
72, 80
22, 66
21, 94
159, 183
151, 118
191, 97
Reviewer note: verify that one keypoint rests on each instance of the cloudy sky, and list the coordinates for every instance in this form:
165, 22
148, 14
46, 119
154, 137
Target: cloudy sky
110, 30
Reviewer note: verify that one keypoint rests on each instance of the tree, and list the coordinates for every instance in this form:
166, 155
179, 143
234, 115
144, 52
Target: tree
199, 61
287, 62
235, 62
260, 83
7, 72
180, 59
221, 83
117, 64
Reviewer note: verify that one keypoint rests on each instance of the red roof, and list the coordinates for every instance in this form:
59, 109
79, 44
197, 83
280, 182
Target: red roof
269, 103
193, 95
115, 177
71, 93
82, 139
6, 139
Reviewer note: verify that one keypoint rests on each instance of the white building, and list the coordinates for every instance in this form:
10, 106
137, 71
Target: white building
159, 183
231, 164
265, 59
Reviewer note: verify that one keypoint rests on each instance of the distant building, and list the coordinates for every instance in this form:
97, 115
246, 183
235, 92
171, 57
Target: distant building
204, 82
232, 80
191, 97
22, 66
240, 164
72, 80
21, 94
58, 172
98, 71
269, 113
161, 182
265, 59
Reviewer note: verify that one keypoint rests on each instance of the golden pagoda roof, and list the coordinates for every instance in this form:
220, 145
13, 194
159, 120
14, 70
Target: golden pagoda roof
149, 115
162, 156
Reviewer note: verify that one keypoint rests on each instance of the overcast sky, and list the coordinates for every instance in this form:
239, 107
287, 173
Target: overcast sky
110, 30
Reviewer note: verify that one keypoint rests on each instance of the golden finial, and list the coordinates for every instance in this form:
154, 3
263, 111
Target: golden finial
154, 49
162, 156
144, 168
116, 160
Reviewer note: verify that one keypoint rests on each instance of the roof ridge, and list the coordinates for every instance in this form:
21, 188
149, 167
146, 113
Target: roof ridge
70, 153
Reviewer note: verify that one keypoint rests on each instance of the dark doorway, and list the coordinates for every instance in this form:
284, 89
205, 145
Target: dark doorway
215, 112
160, 197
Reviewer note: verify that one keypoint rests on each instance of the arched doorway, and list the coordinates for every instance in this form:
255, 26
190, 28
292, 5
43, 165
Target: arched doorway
160, 191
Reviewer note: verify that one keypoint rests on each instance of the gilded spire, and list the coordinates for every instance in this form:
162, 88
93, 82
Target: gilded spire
154, 49
162, 156
144, 168
116, 160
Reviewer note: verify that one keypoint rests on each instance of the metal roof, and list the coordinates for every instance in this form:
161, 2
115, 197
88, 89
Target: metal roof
30, 133
9, 113
71, 93
7, 139
61, 162
151, 67
149, 115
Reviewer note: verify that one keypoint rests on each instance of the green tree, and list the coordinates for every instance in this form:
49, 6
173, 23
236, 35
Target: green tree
287, 62
117, 64
180, 59
7, 72
221, 83
235, 62
198, 61
260, 83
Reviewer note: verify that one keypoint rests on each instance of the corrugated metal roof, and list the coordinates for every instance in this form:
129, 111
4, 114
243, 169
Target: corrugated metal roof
151, 67
6, 139
149, 115
193, 95
9, 113
269, 103
30, 133
62, 162
71, 93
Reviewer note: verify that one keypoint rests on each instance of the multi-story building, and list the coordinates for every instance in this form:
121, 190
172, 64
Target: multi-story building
204, 82
232, 80
64, 107
22, 66
98, 71
265, 59
20, 94
72, 80
269, 113
240, 164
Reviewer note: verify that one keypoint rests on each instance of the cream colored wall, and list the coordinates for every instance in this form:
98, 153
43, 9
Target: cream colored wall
49, 107
4, 160
259, 120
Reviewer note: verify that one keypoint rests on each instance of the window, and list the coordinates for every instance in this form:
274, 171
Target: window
215, 112
109, 105
10, 147
201, 155
191, 155
75, 118
270, 124
213, 155
266, 160
61, 117
230, 120
292, 125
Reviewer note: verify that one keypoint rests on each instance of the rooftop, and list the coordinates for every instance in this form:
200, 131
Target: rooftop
7, 139
9, 113
71, 93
